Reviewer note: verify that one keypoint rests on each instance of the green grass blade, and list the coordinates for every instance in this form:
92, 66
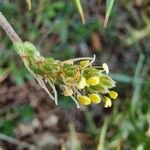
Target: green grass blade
75, 144
137, 85
101, 144
80, 10
109, 5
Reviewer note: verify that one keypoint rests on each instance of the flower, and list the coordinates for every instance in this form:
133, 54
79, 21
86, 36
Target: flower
95, 98
82, 83
107, 102
113, 94
84, 100
105, 67
93, 81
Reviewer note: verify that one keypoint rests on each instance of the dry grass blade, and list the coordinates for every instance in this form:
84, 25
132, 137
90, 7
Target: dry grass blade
63, 147
29, 3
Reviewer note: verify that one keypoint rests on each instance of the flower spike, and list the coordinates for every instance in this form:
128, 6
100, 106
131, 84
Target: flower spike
77, 78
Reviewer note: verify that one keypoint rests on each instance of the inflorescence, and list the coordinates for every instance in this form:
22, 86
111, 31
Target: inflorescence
77, 78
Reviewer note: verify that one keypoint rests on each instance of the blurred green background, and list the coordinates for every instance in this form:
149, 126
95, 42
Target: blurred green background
55, 27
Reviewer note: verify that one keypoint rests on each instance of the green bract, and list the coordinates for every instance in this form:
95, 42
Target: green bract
30, 49
106, 81
18, 47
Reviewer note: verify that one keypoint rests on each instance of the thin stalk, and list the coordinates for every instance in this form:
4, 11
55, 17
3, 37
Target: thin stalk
4, 24
21, 144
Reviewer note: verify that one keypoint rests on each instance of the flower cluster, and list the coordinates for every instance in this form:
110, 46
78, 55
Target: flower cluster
77, 78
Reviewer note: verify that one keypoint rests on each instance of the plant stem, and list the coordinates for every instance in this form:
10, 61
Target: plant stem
4, 24
21, 144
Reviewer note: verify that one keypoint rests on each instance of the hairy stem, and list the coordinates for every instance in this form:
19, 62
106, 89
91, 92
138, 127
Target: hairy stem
4, 24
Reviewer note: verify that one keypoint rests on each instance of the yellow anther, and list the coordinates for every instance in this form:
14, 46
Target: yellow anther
84, 63
68, 91
113, 94
84, 100
105, 67
93, 81
107, 102
95, 98
82, 83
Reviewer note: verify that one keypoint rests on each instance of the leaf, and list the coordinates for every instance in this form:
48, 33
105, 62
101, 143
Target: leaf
109, 5
8, 127
66, 102
80, 10
59, 5
26, 112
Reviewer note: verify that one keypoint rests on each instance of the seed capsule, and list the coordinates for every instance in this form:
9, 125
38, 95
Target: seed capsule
95, 98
